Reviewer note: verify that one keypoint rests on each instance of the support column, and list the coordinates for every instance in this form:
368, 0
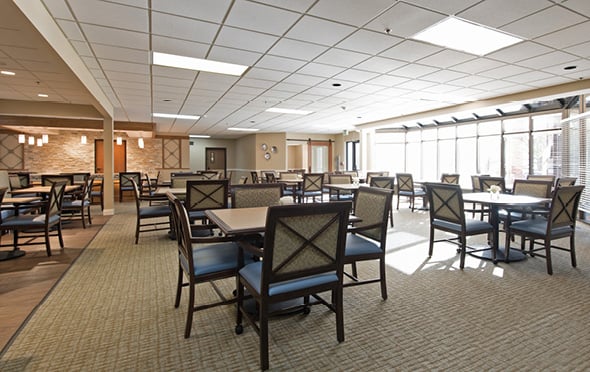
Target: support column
109, 194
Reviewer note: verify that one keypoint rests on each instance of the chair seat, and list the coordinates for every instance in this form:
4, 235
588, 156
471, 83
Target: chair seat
538, 226
28, 221
195, 215
472, 227
154, 211
214, 258
75, 204
356, 245
308, 193
417, 192
253, 272
341, 197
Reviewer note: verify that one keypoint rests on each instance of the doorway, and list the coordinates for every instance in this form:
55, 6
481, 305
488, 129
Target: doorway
319, 155
119, 156
215, 159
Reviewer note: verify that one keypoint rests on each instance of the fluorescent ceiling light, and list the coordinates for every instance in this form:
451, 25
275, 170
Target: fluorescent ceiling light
198, 64
288, 111
199, 136
174, 116
42, 95
243, 129
468, 37
10, 73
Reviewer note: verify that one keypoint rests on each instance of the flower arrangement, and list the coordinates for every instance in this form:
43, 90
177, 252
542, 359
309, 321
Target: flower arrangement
495, 189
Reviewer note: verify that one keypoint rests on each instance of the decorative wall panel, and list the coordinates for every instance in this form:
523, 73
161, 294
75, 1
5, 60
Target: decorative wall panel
171, 154
11, 152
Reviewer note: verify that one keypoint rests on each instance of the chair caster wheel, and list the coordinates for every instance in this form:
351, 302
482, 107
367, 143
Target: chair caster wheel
239, 329
234, 292
306, 310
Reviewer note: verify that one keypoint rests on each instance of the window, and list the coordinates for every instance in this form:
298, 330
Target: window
516, 157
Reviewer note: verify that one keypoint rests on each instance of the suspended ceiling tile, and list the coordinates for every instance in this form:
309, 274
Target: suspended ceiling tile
580, 50
110, 36
110, 15
121, 54
179, 47
357, 76
443, 76
183, 28
266, 74
520, 51
567, 37
546, 60
58, 9
476, 66
446, 58
379, 64
206, 10
302, 79
340, 57
279, 63
136, 68
470, 81
230, 55
352, 12
410, 51
71, 30
413, 71
319, 31
501, 12
243, 39
447, 6
297, 49
297, 6
247, 15
388, 80
81, 47
320, 69
580, 6
548, 20
405, 20
369, 42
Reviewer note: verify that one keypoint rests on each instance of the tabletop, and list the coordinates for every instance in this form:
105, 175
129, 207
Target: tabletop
503, 199
43, 189
238, 221
20, 200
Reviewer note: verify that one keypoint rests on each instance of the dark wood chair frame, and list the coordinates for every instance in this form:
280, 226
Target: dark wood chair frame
405, 187
125, 182
384, 182
151, 215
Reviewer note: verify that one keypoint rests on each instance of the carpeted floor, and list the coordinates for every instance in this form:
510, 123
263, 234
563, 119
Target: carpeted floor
113, 310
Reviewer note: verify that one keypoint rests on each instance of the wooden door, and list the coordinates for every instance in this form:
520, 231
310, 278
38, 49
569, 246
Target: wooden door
120, 156
215, 159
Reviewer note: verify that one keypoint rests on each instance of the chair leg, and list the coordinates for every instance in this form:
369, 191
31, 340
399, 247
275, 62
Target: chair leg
59, 235
431, 245
507, 245
47, 242
354, 272
263, 324
573, 250
399, 196
548, 256
383, 281
83, 218
178, 287
463, 250
191, 310
339, 314
137, 231
391, 216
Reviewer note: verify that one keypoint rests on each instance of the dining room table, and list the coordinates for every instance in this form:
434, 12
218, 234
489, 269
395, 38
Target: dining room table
496, 201
43, 190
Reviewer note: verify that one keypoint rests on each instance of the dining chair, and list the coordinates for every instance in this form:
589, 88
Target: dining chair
79, 206
254, 177
205, 194
302, 256
384, 182
210, 175
149, 218
485, 182
126, 180
449, 178
340, 179
256, 195
447, 214
370, 175
148, 192
536, 188
565, 181
44, 224
367, 240
477, 208
49, 179
270, 177
97, 191
540, 177
560, 223
405, 187
311, 188
202, 259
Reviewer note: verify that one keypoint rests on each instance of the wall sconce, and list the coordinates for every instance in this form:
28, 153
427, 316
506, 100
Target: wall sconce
45, 138
119, 140
31, 140
22, 138
140, 143
83, 140
39, 142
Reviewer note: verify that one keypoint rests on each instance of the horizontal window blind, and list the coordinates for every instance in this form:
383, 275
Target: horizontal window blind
575, 147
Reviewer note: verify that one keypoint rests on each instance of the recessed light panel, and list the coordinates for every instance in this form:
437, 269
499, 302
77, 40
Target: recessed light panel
287, 111
236, 129
198, 64
175, 116
468, 37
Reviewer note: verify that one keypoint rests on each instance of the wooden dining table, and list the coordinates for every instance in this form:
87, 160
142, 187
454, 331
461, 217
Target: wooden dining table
16, 204
495, 202
43, 190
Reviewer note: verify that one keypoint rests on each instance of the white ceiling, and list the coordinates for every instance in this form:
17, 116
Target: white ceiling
296, 50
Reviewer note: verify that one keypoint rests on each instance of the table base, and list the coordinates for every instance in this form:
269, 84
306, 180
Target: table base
514, 255
8, 255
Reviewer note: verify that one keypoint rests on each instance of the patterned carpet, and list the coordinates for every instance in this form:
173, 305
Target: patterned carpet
113, 311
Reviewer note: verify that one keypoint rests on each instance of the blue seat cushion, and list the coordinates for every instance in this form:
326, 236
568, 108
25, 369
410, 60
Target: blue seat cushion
471, 226
252, 273
29, 221
417, 192
212, 258
357, 245
75, 203
154, 211
538, 226
195, 215
7, 213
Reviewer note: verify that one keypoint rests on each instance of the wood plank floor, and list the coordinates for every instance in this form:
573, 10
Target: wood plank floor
25, 281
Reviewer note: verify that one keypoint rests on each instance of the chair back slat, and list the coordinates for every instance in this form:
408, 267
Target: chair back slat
485, 182
541, 177
206, 194
383, 182
55, 199
302, 240
446, 202
449, 178
372, 206
539, 189
256, 195
564, 207
565, 181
